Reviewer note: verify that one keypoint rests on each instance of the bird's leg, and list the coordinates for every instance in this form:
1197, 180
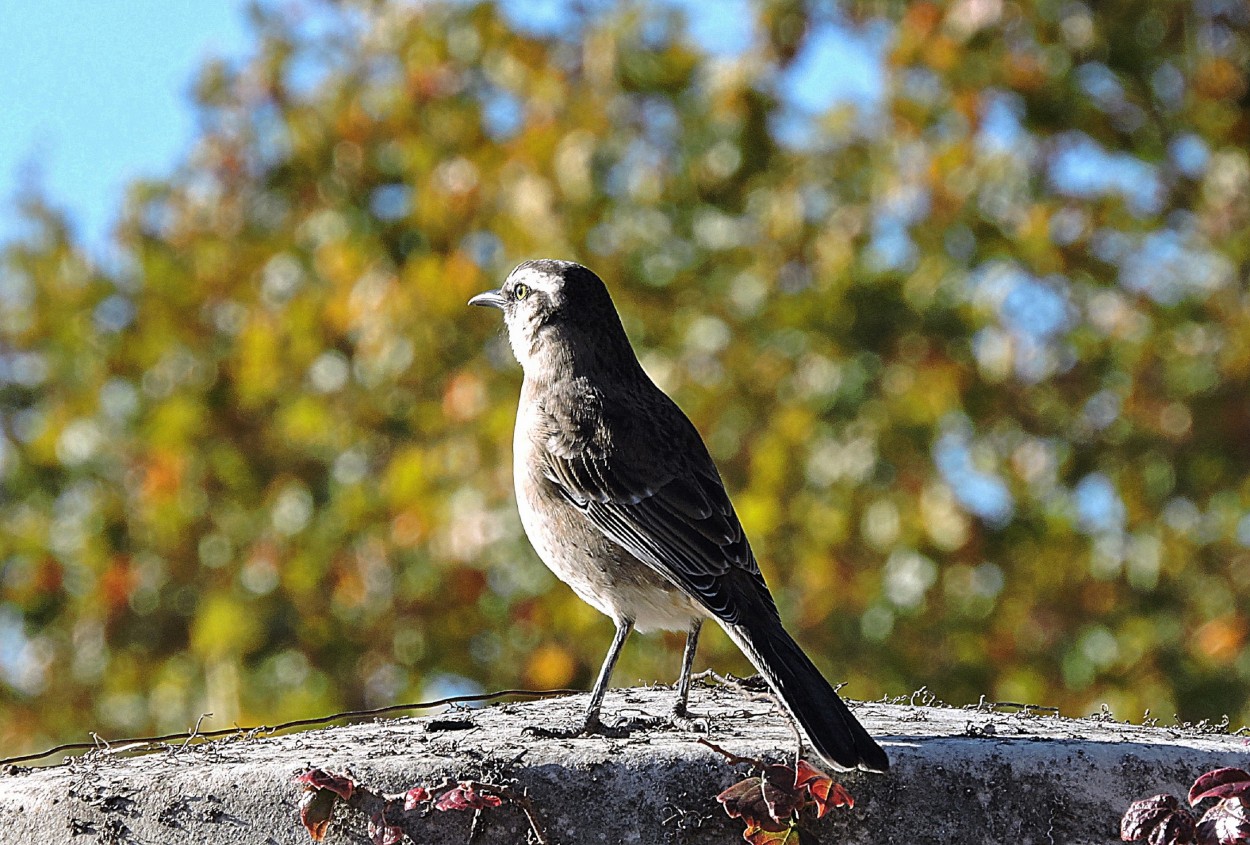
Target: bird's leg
681, 717
623, 627
592, 724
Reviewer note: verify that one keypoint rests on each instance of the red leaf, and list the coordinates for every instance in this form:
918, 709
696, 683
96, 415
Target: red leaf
1220, 783
836, 796
1160, 818
754, 800
340, 785
824, 791
781, 796
316, 809
736, 798
415, 796
1176, 829
764, 836
381, 833
464, 797
805, 773
1227, 823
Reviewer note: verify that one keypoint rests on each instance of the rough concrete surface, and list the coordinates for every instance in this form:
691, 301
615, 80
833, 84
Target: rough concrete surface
958, 776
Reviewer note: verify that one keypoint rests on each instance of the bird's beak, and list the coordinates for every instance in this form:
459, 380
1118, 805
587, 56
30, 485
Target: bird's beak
493, 298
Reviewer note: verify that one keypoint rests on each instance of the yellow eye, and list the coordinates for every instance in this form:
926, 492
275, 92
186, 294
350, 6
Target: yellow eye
521, 291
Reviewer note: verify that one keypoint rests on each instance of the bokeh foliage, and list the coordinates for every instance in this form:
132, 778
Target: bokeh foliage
973, 359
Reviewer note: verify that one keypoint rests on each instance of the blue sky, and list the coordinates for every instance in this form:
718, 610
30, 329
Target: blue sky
95, 93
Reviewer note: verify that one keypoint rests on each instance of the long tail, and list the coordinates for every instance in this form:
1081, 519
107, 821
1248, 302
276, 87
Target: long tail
826, 722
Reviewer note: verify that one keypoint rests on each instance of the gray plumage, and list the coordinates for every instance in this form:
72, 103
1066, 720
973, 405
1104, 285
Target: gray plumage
620, 498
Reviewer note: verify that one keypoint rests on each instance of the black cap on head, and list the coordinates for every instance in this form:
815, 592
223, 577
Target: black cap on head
551, 304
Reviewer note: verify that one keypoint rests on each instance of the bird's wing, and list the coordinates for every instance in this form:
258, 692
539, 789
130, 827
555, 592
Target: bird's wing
647, 482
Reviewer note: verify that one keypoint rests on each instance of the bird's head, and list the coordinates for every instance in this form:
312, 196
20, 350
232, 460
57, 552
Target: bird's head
559, 317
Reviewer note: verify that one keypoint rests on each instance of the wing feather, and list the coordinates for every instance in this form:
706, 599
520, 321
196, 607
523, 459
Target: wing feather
669, 510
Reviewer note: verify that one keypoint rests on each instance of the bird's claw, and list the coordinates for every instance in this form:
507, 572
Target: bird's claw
679, 719
692, 724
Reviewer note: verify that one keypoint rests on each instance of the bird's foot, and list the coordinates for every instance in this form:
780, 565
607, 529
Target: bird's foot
683, 721
678, 718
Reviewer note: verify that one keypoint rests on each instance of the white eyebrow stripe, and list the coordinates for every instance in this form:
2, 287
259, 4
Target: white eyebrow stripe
533, 277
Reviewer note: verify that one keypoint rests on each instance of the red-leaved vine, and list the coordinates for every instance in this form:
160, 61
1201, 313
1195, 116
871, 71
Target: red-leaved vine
1163, 820
390, 814
772, 800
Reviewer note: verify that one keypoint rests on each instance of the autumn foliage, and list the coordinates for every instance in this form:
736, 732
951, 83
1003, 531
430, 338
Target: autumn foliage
970, 344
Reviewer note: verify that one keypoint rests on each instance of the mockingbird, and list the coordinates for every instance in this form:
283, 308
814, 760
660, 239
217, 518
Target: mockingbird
619, 497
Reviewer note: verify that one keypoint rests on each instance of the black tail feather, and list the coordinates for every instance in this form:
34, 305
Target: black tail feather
826, 722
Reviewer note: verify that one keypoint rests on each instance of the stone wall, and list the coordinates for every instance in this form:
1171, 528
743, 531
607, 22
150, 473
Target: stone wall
959, 776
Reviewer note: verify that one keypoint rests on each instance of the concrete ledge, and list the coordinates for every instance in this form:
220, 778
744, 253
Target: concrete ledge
958, 776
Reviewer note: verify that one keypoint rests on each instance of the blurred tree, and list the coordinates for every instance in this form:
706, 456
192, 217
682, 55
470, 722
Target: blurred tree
972, 349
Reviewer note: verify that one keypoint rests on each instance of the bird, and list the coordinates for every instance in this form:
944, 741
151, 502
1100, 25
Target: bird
618, 495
